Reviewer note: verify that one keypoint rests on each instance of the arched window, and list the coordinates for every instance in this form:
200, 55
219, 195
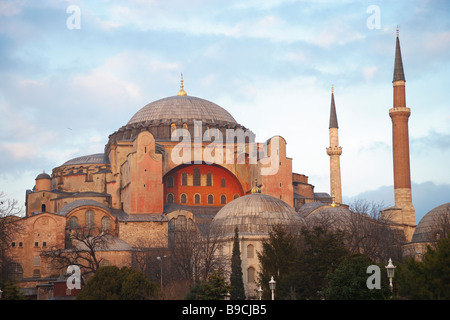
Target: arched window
250, 251
173, 127
235, 196
251, 275
89, 219
184, 179
196, 176
106, 224
43, 208
15, 272
105, 263
36, 261
183, 198
170, 182
223, 199
170, 198
181, 223
197, 198
209, 179
223, 183
73, 222
185, 130
210, 199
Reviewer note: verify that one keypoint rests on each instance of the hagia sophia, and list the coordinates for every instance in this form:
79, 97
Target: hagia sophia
185, 161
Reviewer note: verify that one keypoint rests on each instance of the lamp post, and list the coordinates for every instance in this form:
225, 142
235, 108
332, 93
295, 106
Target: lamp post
160, 260
390, 268
272, 284
1, 292
260, 291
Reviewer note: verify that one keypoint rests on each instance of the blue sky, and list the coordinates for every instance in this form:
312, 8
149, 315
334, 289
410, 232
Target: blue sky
270, 63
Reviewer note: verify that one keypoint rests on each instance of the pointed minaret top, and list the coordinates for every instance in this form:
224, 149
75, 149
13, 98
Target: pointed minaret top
181, 92
399, 75
333, 116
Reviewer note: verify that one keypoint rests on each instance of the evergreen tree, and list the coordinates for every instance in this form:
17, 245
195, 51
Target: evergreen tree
216, 288
236, 277
112, 283
427, 279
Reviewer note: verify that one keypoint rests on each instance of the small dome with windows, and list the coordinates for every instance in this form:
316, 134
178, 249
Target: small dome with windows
254, 214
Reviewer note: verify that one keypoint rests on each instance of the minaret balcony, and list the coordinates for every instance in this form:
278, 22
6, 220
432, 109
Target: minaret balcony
332, 151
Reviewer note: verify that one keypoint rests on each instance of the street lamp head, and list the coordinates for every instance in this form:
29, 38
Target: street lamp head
390, 268
272, 283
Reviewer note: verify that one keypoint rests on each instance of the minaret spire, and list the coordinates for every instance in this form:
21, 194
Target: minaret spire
334, 151
399, 74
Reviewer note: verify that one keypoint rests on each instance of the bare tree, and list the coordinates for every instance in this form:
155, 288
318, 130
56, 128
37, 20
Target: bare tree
82, 249
440, 226
10, 213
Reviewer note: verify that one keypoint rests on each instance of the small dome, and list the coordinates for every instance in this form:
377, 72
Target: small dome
43, 175
423, 232
183, 108
254, 214
326, 215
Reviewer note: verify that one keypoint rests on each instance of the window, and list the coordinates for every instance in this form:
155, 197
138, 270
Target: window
210, 199
43, 208
36, 244
251, 275
183, 198
36, 273
173, 127
184, 179
209, 179
235, 196
222, 183
89, 219
73, 222
106, 224
196, 176
36, 261
170, 198
170, 182
181, 223
223, 199
15, 272
13, 244
44, 244
250, 251
197, 199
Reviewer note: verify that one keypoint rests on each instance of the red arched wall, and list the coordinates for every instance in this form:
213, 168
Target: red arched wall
232, 185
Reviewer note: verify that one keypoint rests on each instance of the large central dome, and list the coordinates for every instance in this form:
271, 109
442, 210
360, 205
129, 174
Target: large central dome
183, 108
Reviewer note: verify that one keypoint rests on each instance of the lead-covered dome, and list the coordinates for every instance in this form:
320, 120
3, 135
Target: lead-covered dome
429, 225
254, 214
185, 109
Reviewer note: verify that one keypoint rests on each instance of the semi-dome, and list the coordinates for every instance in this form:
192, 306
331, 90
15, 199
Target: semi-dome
183, 108
254, 214
425, 229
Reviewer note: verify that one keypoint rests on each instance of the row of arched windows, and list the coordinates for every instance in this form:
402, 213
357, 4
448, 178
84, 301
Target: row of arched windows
197, 198
196, 181
89, 221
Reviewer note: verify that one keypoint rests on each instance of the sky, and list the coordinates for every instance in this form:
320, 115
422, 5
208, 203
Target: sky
74, 72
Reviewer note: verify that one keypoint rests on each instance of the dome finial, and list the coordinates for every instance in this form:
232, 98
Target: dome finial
255, 189
332, 88
397, 31
181, 92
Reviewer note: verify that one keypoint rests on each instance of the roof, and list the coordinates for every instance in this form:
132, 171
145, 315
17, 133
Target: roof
254, 214
424, 230
333, 116
399, 74
43, 176
99, 158
183, 108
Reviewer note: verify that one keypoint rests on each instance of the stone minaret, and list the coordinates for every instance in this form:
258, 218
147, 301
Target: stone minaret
334, 151
400, 145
